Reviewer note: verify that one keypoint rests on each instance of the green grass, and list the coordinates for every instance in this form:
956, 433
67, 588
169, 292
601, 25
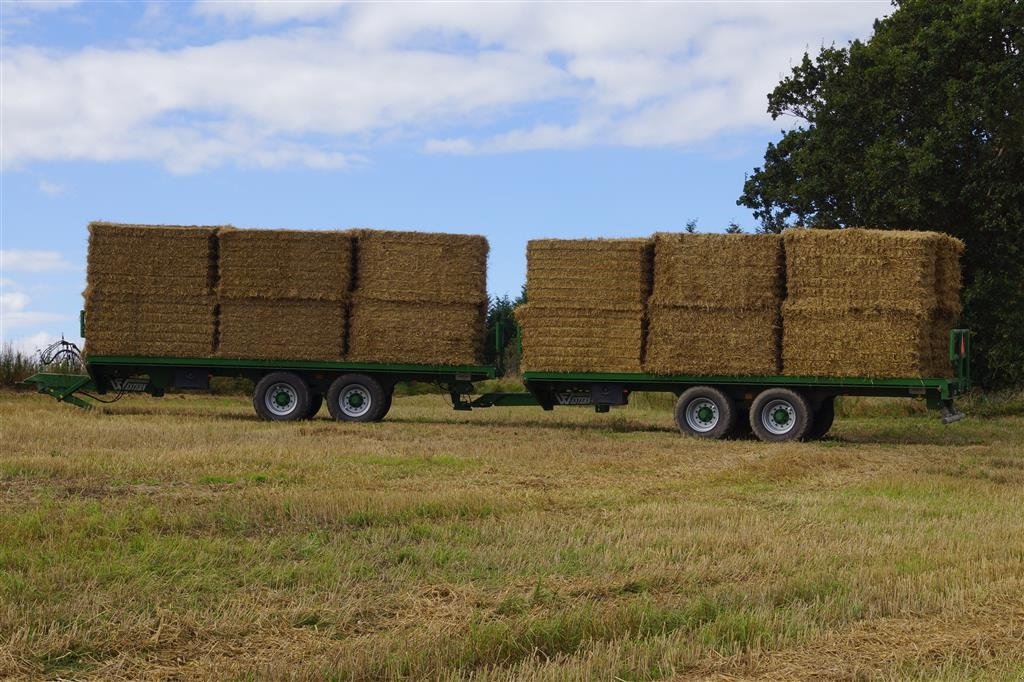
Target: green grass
181, 537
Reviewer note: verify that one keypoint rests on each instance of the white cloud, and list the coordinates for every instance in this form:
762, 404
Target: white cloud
14, 312
31, 344
532, 75
267, 11
51, 188
32, 261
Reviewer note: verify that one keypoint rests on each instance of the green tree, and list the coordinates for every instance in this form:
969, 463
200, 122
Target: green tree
501, 314
920, 127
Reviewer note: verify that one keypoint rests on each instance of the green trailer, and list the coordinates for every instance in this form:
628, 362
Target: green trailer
774, 408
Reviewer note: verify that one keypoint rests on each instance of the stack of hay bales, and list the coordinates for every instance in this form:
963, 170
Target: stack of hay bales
586, 300
150, 290
419, 298
869, 303
283, 294
715, 304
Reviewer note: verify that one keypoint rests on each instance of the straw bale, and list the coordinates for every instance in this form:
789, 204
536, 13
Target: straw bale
312, 265
281, 329
693, 340
718, 270
152, 259
421, 266
942, 321
563, 339
822, 340
947, 273
145, 325
416, 332
856, 267
588, 272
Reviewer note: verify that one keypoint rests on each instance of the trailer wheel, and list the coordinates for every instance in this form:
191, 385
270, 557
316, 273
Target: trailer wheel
387, 405
316, 401
281, 396
780, 414
823, 418
705, 412
357, 398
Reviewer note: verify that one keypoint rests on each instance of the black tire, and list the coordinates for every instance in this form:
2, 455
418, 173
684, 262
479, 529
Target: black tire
387, 406
823, 418
780, 414
316, 401
357, 398
705, 412
281, 397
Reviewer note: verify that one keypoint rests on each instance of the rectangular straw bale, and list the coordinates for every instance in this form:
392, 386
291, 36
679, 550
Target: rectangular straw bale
942, 321
146, 325
561, 339
691, 340
947, 273
421, 266
416, 332
152, 259
856, 342
282, 329
856, 267
718, 270
312, 264
588, 272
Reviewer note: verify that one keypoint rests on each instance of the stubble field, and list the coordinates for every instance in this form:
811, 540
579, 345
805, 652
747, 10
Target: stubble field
181, 538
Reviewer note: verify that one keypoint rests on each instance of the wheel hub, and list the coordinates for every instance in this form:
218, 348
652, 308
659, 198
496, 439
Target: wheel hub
702, 415
281, 399
778, 417
355, 401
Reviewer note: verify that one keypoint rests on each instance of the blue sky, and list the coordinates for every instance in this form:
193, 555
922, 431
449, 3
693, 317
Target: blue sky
512, 120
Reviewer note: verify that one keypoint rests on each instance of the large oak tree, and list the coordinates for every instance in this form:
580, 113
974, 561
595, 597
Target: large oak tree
920, 127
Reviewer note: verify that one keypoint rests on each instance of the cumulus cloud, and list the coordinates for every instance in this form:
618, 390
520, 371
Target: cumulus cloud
31, 344
12, 260
267, 11
505, 76
15, 313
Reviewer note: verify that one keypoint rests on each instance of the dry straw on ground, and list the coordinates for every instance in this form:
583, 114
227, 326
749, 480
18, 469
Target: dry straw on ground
559, 338
159, 260
282, 329
589, 272
718, 270
146, 325
712, 341
416, 332
421, 266
285, 264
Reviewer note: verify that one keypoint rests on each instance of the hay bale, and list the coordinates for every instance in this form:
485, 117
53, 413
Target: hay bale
588, 272
147, 325
856, 267
947, 273
281, 329
844, 341
718, 270
310, 265
421, 266
412, 332
160, 260
942, 322
557, 338
713, 340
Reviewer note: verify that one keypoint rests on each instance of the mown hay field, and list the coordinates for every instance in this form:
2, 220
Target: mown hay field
181, 538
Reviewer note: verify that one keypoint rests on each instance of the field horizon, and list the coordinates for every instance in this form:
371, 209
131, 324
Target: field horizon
183, 538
